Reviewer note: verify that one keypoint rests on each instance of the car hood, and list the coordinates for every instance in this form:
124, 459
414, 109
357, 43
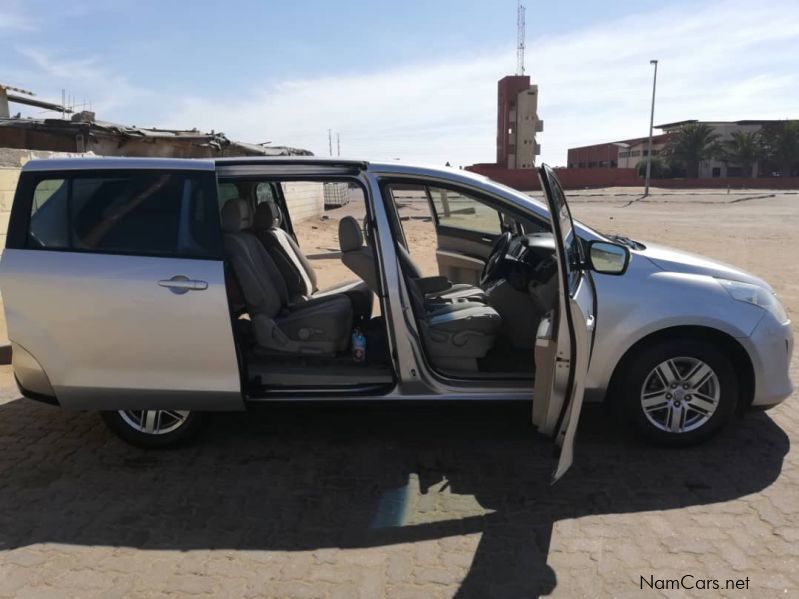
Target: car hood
674, 260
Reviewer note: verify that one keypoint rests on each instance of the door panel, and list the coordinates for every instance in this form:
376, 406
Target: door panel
563, 339
110, 335
462, 254
465, 232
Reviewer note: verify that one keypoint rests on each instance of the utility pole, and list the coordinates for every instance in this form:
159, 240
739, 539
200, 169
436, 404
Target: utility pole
520, 10
330, 142
651, 123
338, 144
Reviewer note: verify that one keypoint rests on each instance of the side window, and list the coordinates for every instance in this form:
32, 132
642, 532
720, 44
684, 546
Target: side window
460, 211
45, 190
265, 192
169, 214
225, 192
49, 215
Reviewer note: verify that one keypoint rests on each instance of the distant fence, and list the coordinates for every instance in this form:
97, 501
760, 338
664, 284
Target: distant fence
581, 178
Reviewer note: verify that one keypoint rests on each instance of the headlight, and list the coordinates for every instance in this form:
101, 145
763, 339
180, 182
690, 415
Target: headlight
754, 294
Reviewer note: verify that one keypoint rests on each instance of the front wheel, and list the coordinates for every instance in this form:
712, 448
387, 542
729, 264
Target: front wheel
154, 429
679, 392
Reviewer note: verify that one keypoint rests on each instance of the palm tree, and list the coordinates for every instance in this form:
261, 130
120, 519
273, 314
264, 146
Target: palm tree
782, 145
693, 144
744, 148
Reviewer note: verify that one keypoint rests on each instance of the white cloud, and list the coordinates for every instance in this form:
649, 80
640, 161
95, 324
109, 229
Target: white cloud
109, 92
13, 20
720, 62
725, 61
413, 112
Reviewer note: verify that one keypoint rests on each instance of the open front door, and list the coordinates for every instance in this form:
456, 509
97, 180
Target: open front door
564, 337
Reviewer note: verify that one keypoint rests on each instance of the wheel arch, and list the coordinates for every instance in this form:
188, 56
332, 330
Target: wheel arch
744, 369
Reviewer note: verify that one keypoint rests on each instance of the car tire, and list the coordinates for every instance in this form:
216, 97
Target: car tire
678, 392
154, 429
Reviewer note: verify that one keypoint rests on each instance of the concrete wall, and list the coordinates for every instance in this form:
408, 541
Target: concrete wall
8, 183
304, 199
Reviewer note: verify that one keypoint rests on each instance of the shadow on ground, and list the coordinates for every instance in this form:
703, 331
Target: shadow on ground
304, 477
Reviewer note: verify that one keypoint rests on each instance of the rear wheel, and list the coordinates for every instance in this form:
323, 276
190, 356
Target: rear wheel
679, 392
154, 429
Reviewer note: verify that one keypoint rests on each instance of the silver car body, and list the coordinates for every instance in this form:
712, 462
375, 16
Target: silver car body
154, 355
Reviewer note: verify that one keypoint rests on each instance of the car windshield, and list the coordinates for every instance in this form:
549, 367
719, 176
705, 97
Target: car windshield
581, 227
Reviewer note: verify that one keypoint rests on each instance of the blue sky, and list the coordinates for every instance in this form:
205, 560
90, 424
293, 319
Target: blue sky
412, 80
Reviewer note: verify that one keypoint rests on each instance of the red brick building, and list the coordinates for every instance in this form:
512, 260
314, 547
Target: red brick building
625, 153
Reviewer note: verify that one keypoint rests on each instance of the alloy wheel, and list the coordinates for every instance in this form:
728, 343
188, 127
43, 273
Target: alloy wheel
154, 422
680, 394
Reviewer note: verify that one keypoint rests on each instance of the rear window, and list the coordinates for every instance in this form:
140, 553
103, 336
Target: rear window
158, 213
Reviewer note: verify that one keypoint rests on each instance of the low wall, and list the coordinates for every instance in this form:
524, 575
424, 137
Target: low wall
570, 178
581, 178
304, 199
731, 182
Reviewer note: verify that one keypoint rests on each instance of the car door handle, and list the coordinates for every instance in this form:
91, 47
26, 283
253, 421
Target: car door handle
181, 284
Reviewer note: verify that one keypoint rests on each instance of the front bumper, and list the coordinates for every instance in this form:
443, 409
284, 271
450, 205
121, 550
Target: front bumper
770, 347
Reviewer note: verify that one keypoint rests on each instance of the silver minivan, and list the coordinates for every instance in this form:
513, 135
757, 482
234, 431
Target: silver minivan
159, 290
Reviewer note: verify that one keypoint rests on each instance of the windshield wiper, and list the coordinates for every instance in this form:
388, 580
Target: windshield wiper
631, 243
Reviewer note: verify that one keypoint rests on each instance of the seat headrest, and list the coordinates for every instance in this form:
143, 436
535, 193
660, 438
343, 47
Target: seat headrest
236, 216
267, 216
349, 234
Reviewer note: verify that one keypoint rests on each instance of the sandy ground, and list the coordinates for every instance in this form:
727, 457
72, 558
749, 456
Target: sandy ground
758, 235
756, 230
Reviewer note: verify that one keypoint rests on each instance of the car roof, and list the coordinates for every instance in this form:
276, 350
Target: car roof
207, 164
118, 162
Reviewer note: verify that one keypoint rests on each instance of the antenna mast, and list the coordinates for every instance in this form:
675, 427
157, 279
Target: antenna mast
520, 10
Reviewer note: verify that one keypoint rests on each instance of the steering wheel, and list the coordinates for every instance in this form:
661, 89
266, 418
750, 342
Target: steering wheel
495, 259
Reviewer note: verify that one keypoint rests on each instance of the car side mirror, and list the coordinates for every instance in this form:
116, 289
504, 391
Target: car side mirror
608, 258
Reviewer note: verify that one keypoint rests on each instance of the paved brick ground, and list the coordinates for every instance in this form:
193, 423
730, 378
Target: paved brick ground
440, 501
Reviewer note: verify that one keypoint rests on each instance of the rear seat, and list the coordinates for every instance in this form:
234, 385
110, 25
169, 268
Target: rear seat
315, 326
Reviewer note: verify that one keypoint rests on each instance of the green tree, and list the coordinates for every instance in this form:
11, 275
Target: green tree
782, 145
693, 144
744, 148
660, 169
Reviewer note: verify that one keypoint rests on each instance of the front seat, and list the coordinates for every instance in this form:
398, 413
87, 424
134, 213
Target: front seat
297, 271
455, 335
359, 258
315, 326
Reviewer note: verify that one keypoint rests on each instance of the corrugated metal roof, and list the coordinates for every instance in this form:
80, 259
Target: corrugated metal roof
217, 140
